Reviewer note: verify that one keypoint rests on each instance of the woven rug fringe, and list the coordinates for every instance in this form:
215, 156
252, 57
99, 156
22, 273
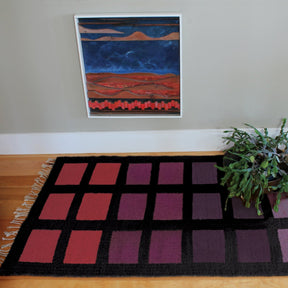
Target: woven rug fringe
22, 212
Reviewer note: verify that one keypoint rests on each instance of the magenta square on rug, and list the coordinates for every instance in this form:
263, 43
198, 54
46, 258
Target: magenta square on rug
204, 173
171, 173
139, 174
165, 247
132, 206
168, 206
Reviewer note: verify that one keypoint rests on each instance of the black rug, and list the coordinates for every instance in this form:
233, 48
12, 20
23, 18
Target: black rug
146, 216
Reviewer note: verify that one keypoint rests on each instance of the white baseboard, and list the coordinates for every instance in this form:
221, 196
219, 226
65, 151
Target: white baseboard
112, 142
115, 142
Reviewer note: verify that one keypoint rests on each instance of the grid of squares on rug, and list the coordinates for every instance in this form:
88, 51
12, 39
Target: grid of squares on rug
146, 216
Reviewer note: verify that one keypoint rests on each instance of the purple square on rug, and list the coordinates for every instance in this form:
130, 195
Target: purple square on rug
168, 206
171, 173
165, 247
253, 246
241, 212
132, 206
283, 238
283, 206
204, 173
139, 174
124, 247
207, 206
208, 246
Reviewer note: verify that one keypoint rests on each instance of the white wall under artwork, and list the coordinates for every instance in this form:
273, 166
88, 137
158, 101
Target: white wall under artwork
234, 70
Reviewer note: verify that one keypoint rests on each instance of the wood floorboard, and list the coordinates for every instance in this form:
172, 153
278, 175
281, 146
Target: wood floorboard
17, 174
17, 181
22, 167
15, 193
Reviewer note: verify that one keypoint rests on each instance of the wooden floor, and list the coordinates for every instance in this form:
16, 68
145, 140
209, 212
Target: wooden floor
17, 174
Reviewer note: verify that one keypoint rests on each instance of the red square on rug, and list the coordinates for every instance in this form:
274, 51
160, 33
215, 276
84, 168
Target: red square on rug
83, 247
94, 206
40, 246
71, 174
56, 206
105, 174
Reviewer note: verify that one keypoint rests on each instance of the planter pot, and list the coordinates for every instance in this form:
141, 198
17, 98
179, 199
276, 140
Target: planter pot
273, 182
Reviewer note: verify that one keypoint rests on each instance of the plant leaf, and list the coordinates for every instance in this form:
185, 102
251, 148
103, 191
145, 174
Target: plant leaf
264, 164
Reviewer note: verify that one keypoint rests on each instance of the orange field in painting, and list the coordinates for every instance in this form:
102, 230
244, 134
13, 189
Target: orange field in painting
134, 92
133, 86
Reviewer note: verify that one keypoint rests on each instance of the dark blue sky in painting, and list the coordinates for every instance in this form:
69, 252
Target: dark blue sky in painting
156, 56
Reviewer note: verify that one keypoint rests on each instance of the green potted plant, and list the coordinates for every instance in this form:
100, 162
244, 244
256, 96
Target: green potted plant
255, 163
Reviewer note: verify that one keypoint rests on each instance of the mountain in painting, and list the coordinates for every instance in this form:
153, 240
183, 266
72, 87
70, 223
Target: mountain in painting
136, 36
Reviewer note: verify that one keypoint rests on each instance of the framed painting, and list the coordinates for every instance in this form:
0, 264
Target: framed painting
131, 65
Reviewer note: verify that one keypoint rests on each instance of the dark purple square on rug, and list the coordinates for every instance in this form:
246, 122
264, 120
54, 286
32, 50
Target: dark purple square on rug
168, 206
241, 212
204, 173
208, 246
132, 206
253, 246
139, 174
124, 247
207, 206
165, 247
171, 173
283, 238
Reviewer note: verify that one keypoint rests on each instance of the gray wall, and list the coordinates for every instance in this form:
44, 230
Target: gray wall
235, 64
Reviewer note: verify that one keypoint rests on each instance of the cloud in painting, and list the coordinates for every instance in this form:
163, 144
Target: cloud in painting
98, 31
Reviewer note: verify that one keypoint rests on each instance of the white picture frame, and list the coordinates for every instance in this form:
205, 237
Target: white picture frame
131, 65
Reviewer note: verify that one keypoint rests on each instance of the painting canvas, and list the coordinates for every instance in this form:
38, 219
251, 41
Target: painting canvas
130, 65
